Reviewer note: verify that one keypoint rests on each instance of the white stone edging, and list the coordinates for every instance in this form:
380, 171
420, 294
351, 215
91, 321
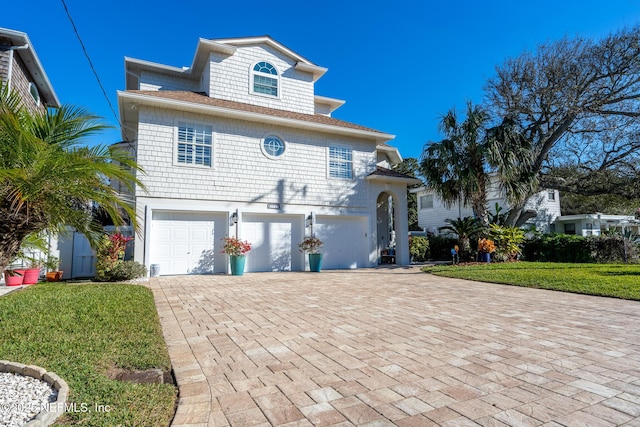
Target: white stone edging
55, 409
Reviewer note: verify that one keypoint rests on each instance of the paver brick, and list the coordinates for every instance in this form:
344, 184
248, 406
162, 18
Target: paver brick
379, 347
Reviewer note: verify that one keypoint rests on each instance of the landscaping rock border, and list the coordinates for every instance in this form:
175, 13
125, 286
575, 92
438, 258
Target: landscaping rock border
55, 409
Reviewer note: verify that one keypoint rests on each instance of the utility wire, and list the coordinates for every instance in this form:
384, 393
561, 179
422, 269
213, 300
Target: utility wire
95, 73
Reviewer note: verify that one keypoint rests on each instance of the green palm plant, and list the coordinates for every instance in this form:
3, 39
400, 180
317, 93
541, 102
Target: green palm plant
465, 228
48, 180
455, 168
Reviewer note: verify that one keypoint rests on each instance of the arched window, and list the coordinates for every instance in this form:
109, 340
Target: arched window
265, 79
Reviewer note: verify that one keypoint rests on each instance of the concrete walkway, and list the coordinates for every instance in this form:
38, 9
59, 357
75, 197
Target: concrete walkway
399, 347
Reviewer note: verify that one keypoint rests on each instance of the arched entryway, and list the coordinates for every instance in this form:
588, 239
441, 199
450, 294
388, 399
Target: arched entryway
386, 232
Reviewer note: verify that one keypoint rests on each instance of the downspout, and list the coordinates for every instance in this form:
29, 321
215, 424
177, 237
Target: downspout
11, 49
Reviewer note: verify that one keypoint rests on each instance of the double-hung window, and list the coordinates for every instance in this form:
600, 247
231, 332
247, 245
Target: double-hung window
340, 162
195, 144
265, 79
426, 201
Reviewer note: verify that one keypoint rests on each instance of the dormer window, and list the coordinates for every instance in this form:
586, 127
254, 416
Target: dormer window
265, 79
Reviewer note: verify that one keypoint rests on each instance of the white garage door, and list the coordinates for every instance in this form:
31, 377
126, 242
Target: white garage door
274, 241
188, 242
345, 241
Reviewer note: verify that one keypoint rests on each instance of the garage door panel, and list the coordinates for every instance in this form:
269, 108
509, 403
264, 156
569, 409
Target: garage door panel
345, 241
274, 239
179, 233
187, 242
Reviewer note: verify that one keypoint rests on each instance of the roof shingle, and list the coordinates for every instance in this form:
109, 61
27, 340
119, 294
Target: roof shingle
203, 99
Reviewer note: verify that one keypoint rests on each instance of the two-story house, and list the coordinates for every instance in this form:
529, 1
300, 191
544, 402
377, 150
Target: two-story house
22, 71
239, 144
432, 211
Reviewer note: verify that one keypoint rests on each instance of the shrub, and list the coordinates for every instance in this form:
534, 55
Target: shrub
419, 248
557, 248
507, 240
110, 260
615, 248
440, 247
123, 270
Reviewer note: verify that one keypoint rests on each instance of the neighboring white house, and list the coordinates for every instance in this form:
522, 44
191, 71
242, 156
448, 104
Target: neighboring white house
432, 211
239, 143
595, 224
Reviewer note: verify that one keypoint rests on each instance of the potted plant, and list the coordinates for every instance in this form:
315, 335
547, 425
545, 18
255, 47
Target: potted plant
32, 273
486, 247
52, 264
237, 250
13, 277
312, 245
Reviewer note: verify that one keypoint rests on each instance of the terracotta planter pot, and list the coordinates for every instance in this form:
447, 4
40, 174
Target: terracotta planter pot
54, 276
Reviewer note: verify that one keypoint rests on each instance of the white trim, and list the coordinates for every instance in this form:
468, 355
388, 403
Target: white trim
154, 66
176, 163
266, 40
253, 73
332, 103
216, 46
392, 153
33, 64
270, 156
143, 99
421, 207
342, 146
315, 70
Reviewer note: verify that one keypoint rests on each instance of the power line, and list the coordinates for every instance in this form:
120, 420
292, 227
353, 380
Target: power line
86, 54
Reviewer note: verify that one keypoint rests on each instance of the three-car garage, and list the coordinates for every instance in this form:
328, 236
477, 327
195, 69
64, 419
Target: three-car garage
183, 242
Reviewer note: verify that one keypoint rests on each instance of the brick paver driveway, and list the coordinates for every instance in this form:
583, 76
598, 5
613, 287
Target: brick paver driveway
396, 347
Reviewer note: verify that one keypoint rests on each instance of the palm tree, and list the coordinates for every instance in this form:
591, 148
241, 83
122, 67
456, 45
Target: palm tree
465, 228
509, 152
49, 181
455, 168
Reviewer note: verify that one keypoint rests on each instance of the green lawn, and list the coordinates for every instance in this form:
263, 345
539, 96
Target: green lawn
79, 332
611, 280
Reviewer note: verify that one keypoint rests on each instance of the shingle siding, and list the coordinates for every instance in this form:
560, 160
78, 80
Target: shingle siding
20, 77
241, 172
230, 79
158, 81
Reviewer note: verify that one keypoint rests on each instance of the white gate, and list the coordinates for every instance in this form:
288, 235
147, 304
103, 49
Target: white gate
84, 258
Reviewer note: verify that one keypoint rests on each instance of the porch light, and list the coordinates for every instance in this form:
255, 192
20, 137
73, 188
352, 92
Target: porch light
233, 219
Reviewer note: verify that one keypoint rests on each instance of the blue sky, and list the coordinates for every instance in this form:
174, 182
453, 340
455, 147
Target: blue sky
399, 64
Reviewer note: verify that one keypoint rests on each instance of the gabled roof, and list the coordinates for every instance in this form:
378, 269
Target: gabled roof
201, 103
225, 47
31, 61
